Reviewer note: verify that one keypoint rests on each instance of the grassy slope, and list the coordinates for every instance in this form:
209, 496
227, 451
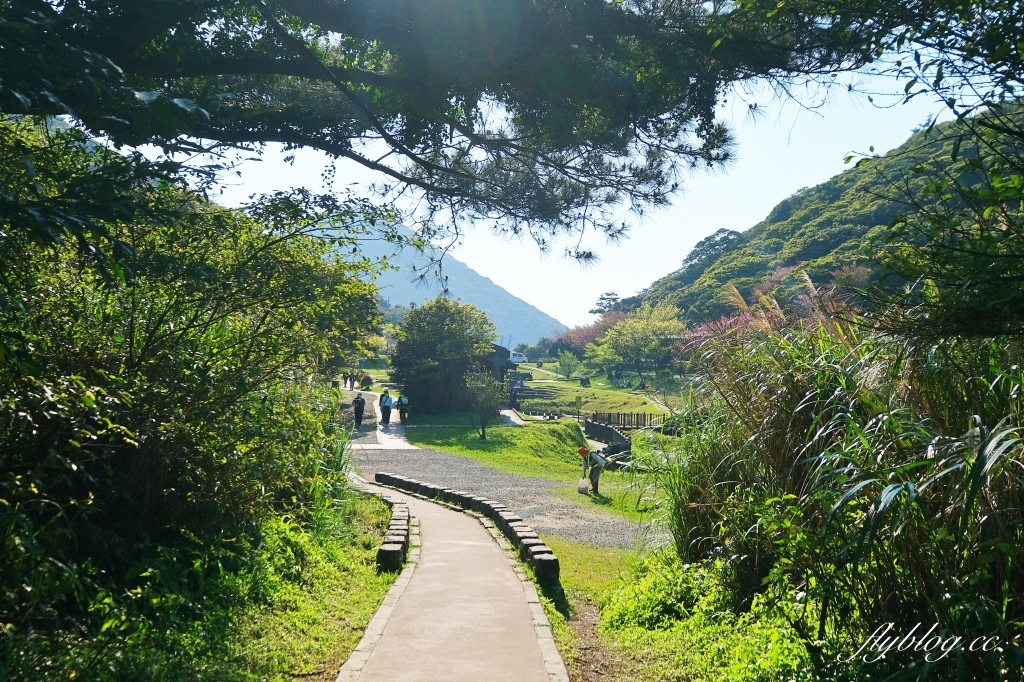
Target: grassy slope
587, 572
541, 449
545, 450
311, 595
417, 419
705, 647
822, 228
600, 398
378, 375
316, 621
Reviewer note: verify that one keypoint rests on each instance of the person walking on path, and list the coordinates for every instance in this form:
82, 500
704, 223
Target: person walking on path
386, 403
595, 463
403, 408
359, 406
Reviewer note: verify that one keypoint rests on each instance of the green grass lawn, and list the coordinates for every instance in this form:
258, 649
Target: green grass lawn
445, 419
378, 375
546, 371
588, 569
545, 449
549, 366
562, 398
620, 494
321, 591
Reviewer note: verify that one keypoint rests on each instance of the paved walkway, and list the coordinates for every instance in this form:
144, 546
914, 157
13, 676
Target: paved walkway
464, 615
390, 437
511, 418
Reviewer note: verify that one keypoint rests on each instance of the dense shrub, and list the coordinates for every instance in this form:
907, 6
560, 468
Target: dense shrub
856, 482
678, 619
661, 592
156, 416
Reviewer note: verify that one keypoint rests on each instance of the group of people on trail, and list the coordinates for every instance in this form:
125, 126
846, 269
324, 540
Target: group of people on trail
387, 403
350, 381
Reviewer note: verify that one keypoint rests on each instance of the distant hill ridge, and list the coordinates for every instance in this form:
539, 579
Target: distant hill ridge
516, 320
825, 231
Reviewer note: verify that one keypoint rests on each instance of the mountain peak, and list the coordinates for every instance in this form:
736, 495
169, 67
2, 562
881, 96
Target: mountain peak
516, 320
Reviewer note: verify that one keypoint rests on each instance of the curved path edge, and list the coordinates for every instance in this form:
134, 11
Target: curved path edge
432, 550
353, 666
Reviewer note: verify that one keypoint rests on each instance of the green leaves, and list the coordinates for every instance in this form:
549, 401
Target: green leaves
437, 344
642, 339
147, 420
836, 483
568, 364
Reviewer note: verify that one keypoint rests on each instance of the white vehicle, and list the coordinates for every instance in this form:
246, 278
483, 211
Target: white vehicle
517, 357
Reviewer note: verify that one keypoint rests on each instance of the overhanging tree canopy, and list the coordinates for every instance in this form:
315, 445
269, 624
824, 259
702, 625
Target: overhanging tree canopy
539, 114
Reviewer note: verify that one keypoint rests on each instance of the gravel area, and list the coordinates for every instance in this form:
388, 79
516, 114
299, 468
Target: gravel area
531, 498
366, 434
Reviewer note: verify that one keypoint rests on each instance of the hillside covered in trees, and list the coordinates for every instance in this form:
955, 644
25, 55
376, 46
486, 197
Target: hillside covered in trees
835, 232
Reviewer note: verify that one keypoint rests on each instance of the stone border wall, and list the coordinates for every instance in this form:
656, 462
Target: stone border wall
391, 555
353, 665
530, 547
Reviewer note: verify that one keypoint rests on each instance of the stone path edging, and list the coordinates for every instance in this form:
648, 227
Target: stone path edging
391, 554
531, 548
353, 666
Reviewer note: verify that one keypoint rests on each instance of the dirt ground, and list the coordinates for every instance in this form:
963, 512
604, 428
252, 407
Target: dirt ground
592, 659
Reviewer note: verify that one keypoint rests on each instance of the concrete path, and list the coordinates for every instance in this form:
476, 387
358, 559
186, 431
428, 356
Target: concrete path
390, 437
464, 615
511, 418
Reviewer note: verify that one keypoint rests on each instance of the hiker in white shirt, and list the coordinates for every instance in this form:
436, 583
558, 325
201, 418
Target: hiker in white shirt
386, 403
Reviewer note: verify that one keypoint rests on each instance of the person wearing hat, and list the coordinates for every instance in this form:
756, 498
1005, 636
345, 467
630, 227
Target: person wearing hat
386, 403
595, 463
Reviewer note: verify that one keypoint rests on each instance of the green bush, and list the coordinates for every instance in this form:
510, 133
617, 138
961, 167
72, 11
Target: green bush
675, 620
846, 483
156, 418
661, 592
365, 381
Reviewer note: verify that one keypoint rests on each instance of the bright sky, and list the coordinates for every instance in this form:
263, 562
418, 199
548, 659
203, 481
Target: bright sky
784, 149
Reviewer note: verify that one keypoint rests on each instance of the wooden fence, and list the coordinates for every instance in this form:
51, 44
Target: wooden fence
629, 420
603, 432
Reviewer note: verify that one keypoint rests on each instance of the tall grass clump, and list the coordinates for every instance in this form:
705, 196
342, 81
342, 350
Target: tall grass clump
846, 483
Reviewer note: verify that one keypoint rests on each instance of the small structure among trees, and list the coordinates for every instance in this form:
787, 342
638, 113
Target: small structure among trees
440, 346
497, 362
